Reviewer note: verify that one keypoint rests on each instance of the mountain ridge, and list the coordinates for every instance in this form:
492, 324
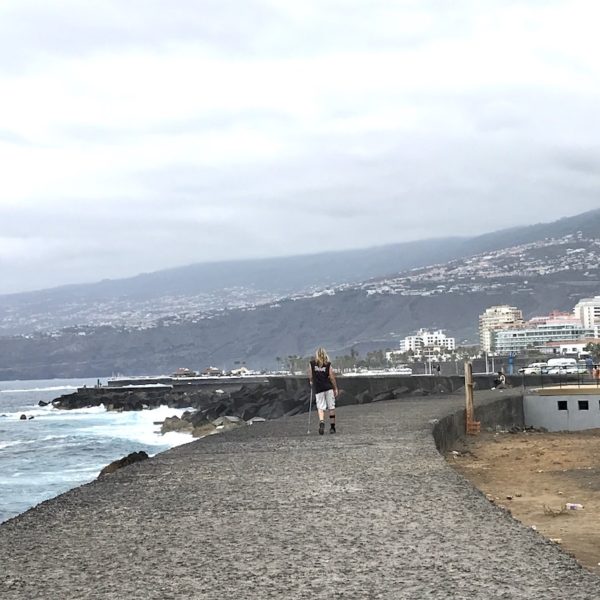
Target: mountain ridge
537, 276
204, 288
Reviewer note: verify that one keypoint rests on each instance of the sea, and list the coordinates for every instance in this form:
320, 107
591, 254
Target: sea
52, 450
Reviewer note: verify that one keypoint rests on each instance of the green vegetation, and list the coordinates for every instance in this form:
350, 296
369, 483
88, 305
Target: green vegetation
594, 350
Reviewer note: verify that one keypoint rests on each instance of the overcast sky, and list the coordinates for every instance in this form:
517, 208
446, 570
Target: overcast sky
146, 134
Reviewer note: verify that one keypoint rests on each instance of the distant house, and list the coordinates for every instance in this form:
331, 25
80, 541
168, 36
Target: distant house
211, 372
184, 372
240, 372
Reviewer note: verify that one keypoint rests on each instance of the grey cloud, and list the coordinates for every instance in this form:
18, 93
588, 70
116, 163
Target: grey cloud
32, 32
12, 137
211, 121
72, 28
481, 160
580, 160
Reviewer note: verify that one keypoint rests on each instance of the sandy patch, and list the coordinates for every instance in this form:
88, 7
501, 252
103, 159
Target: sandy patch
526, 472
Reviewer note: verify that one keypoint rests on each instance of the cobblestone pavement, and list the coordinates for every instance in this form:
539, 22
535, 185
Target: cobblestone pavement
271, 512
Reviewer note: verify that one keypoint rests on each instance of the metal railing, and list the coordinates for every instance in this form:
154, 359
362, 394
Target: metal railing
585, 379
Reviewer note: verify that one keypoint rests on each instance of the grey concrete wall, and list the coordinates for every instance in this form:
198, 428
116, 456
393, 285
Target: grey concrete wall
506, 411
542, 411
362, 389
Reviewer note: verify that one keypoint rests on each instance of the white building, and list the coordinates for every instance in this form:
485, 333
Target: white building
497, 318
427, 339
572, 348
587, 311
573, 409
516, 340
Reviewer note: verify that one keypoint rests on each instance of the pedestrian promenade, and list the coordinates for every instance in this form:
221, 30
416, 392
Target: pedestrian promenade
268, 511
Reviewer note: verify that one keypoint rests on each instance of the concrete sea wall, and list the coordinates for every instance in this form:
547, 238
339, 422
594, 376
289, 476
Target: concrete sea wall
506, 412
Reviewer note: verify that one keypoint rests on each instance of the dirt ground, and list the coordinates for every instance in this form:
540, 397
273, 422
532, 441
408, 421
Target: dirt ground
534, 475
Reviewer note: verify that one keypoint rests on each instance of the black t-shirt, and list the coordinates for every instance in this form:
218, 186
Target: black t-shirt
320, 375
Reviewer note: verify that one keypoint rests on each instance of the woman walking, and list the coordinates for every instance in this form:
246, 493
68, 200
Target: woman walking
323, 383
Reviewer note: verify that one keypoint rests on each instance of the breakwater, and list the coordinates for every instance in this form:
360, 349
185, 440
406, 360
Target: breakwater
290, 393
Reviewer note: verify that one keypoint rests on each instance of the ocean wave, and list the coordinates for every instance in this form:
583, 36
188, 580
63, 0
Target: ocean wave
46, 438
139, 426
50, 411
10, 444
42, 389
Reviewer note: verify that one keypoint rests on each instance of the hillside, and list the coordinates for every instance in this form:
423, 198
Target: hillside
190, 294
537, 276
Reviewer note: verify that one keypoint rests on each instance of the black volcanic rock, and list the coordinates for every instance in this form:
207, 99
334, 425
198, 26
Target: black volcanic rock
123, 462
176, 424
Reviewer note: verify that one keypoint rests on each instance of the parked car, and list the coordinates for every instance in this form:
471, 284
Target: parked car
539, 368
567, 370
562, 362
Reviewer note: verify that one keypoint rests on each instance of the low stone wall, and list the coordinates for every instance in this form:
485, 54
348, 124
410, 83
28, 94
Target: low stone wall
293, 391
362, 389
506, 412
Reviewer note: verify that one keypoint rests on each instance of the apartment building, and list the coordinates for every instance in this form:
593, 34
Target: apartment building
518, 339
494, 319
427, 339
587, 310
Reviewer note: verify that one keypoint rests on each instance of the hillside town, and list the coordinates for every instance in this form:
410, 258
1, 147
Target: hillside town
512, 269
503, 330
509, 268
504, 333
416, 343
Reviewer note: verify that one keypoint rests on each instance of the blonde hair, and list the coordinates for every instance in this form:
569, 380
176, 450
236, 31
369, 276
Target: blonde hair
321, 357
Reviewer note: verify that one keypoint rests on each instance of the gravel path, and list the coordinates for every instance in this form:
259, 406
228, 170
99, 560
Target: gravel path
270, 512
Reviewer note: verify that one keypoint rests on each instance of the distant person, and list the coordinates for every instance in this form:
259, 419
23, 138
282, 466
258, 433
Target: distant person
437, 370
589, 364
324, 385
500, 381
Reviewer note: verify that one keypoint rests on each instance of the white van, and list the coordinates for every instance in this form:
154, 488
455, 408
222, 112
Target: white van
562, 362
564, 366
534, 368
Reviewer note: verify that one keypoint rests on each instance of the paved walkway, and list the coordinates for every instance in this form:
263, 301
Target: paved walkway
269, 512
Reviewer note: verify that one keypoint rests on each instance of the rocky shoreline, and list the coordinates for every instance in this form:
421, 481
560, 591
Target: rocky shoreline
272, 398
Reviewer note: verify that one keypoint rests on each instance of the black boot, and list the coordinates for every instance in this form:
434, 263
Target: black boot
321, 427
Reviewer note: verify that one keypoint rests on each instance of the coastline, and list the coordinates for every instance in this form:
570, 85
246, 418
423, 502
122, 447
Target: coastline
52, 451
373, 511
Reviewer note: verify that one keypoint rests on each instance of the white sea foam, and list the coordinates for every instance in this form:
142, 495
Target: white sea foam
138, 426
176, 438
50, 411
10, 444
147, 385
46, 438
42, 389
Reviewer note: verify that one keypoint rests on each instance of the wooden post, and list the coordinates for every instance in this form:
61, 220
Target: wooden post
472, 427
